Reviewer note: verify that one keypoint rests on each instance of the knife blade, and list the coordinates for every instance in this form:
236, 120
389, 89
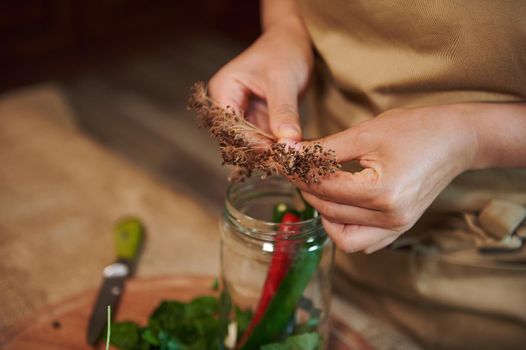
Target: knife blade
128, 236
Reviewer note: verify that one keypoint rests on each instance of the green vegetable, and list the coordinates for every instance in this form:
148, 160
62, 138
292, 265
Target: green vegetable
175, 326
215, 285
202, 323
125, 335
189, 323
308, 213
279, 210
150, 338
283, 304
307, 341
243, 318
309, 326
168, 342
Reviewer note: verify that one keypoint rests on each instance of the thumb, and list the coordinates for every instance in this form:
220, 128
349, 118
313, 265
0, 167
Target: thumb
282, 101
347, 145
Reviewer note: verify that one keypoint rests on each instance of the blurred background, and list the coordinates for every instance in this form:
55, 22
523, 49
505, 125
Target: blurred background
93, 128
125, 68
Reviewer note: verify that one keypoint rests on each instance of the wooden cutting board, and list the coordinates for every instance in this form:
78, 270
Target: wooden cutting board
63, 326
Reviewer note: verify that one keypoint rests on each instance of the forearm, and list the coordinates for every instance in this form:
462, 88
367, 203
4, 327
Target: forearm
501, 133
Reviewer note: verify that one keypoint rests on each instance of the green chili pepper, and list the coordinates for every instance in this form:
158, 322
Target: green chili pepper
284, 302
282, 258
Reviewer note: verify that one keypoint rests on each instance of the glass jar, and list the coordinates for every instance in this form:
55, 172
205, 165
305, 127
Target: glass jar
276, 276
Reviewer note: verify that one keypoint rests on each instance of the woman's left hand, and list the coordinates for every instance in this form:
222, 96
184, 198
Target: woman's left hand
408, 157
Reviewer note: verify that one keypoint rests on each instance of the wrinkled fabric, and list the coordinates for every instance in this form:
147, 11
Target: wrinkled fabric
373, 56
379, 55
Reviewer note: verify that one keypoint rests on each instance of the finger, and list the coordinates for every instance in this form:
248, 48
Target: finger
348, 144
343, 187
257, 113
347, 214
282, 100
354, 238
382, 244
228, 91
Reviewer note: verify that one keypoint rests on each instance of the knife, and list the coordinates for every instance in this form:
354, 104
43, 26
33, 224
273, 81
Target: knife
128, 236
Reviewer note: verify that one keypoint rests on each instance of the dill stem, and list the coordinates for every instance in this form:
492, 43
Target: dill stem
108, 333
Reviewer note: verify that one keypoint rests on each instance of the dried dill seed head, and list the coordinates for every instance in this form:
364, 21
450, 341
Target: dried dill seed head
248, 148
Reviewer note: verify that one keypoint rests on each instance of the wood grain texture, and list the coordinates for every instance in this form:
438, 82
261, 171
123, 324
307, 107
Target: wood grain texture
63, 325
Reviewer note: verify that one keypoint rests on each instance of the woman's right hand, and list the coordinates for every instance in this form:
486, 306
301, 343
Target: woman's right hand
267, 79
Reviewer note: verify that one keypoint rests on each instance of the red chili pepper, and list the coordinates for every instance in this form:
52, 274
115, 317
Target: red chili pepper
279, 265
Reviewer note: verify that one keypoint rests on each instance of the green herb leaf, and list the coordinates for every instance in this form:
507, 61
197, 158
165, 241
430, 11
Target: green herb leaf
150, 338
202, 306
215, 285
193, 325
168, 316
125, 335
308, 326
168, 342
307, 341
243, 318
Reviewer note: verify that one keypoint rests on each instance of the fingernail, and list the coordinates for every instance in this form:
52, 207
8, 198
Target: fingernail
289, 131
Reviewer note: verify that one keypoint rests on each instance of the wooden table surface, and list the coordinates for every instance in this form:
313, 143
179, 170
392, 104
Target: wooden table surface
63, 326
61, 194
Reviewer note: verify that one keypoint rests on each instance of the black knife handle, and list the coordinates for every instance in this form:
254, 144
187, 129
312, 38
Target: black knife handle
109, 294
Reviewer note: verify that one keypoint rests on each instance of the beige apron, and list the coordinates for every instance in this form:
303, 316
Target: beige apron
377, 55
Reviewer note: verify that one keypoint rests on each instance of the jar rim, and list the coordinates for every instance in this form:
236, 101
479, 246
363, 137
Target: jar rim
268, 230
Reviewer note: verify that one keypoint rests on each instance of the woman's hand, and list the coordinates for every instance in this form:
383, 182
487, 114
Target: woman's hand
408, 157
267, 78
